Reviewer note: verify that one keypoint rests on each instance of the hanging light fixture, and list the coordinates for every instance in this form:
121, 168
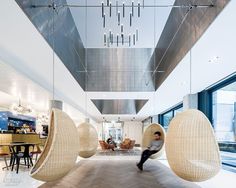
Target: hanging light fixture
110, 8
118, 18
132, 8
138, 9
126, 39
21, 109
43, 118
123, 9
102, 9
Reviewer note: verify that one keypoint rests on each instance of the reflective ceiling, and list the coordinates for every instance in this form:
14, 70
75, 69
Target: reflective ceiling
150, 24
124, 69
166, 34
127, 106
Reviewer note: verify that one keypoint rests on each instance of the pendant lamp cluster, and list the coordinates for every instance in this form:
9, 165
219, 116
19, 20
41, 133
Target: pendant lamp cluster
121, 37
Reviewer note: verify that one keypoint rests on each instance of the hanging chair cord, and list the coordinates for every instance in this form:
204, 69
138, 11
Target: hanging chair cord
190, 72
53, 53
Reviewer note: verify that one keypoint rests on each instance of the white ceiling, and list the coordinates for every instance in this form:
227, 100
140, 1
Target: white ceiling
219, 40
15, 86
90, 23
19, 87
28, 53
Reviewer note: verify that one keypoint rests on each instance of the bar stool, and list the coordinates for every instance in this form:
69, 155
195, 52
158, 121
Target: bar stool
4, 155
37, 152
18, 155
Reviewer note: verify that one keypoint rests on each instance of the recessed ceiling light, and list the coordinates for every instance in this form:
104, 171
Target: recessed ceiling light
183, 83
214, 60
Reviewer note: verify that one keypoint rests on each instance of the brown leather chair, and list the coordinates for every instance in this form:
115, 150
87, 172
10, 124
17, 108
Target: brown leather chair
127, 144
132, 143
106, 146
4, 155
36, 152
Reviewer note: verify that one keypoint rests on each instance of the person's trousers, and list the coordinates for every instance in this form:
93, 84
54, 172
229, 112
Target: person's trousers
145, 155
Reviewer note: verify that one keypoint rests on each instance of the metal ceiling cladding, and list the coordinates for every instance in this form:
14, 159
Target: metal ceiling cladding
119, 69
123, 69
182, 30
67, 42
126, 106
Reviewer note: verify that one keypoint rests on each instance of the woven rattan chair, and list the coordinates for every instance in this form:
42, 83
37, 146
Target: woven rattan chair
191, 147
148, 136
88, 140
61, 149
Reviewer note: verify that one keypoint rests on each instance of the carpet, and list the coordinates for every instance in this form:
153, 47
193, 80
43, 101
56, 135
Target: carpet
119, 174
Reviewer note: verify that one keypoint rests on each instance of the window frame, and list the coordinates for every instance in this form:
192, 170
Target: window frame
172, 109
213, 88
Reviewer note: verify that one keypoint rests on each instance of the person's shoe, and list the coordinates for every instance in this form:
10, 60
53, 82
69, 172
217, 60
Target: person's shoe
140, 167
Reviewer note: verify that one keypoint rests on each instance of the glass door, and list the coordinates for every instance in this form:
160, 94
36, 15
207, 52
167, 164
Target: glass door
114, 129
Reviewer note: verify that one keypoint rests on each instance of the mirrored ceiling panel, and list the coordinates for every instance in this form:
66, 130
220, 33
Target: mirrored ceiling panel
108, 45
148, 20
125, 106
116, 69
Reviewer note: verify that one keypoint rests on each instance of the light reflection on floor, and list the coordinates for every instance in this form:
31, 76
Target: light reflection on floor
225, 179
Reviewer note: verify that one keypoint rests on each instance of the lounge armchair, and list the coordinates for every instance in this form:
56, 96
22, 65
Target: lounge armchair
106, 146
127, 144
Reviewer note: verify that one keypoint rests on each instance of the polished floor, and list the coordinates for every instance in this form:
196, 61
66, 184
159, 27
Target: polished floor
127, 158
229, 161
119, 173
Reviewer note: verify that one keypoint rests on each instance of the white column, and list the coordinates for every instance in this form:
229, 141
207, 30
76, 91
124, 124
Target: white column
190, 101
55, 104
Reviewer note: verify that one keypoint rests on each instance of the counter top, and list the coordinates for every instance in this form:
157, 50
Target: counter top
21, 133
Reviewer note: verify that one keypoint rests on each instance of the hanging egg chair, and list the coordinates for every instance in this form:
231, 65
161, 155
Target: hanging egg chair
61, 149
88, 140
148, 136
191, 148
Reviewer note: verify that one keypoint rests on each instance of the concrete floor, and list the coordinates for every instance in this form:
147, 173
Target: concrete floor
229, 161
23, 180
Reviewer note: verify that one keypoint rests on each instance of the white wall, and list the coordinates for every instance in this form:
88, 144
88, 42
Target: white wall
219, 40
99, 129
133, 130
28, 52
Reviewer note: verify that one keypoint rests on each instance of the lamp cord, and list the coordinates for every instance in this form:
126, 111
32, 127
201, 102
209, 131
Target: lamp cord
53, 53
86, 64
190, 72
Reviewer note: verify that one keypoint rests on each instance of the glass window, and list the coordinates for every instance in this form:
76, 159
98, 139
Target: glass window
114, 129
178, 110
146, 123
224, 113
224, 122
168, 116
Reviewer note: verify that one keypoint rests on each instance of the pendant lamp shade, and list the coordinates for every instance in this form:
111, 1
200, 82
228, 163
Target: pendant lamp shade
88, 140
191, 148
61, 149
148, 136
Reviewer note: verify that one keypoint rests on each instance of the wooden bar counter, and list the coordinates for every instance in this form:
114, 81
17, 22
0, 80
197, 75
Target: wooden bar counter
6, 138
